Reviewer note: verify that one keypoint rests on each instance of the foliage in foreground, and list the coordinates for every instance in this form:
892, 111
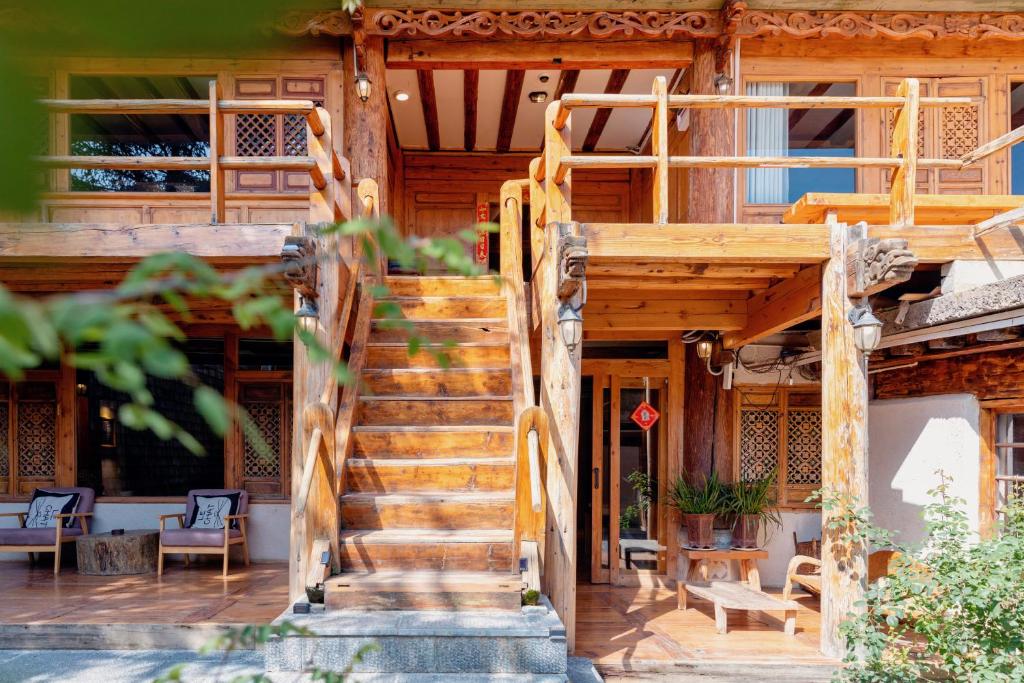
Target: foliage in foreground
953, 607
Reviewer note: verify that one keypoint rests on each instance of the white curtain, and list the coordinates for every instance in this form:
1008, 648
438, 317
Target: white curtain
768, 135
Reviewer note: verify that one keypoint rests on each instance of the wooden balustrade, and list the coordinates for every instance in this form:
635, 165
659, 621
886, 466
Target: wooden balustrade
323, 163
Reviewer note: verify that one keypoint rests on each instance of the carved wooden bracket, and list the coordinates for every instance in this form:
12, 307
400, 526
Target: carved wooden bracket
572, 266
874, 264
731, 15
299, 258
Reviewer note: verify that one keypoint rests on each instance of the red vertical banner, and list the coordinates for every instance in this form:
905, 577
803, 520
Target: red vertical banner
483, 247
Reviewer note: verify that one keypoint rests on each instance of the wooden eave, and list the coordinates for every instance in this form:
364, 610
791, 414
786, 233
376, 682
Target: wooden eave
691, 5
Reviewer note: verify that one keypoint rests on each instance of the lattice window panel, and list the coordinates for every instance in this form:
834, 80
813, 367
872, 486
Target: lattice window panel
759, 443
268, 419
5, 427
294, 134
37, 439
803, 447
960, 133
255, 135
891, 117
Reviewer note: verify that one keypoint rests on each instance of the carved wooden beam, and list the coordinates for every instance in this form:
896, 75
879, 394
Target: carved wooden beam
874, 264
730, 17
572, 266
299, 257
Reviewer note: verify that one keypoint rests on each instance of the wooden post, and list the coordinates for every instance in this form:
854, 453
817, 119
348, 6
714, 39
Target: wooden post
321, 200
674, 450
659, 149
711, 190
366, 123
218, 211
560, 389
844, 452
904, 146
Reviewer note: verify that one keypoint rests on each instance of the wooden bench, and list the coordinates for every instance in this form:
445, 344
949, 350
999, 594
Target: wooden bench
733, 595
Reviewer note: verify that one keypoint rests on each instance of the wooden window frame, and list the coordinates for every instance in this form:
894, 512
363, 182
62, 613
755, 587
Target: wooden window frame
790, 497
988, 459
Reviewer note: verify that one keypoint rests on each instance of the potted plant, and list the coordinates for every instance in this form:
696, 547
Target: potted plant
753, 504
699, 503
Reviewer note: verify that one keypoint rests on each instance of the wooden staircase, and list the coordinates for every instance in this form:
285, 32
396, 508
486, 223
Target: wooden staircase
429, 486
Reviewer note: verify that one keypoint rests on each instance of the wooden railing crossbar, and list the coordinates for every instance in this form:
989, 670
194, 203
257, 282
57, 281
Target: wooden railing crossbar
318, 163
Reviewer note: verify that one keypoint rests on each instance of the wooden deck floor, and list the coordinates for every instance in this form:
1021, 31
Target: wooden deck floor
198, 595
640, 630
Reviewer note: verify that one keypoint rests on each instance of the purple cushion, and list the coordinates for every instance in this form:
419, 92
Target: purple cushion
33, 536
196, 537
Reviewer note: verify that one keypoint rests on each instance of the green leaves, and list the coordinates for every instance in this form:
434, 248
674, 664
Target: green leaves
214, 409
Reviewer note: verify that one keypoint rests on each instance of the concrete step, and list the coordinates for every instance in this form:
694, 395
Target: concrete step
432, 382
397, 475
527, 643
418, 549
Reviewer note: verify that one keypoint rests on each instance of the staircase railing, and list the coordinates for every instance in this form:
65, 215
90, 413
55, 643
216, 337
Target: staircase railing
322, 161
531, 422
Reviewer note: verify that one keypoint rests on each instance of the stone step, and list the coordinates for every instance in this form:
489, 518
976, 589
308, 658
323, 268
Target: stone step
418, 549
443, 286
493, 330
443, 307
434, 382
466, 355
415, 410
433, 510
394, 475
432, 442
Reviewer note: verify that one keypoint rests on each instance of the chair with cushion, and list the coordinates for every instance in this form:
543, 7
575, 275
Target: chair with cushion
213, 521
55, 516
805, 567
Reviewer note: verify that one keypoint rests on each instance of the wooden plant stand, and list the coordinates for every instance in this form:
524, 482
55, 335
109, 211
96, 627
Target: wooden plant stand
747, 560
133, 552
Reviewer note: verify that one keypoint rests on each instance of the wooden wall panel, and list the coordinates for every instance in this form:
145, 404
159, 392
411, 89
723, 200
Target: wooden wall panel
995, 375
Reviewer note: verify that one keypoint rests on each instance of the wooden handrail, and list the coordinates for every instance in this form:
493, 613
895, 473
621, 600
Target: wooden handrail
177, 106
989, 148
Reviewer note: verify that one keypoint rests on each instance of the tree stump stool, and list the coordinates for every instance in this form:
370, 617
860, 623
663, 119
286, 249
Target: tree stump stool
133, 552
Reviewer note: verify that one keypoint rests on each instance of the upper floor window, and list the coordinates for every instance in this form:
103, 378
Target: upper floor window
146, 135
799, 132
1017, 151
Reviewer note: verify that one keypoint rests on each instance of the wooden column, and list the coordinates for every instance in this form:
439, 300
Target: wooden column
711, 190
700, 395
676, 440
560, 392
366, 123
844, 452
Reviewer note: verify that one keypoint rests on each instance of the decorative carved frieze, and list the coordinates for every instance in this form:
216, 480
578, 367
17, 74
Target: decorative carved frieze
732, 20
895, 25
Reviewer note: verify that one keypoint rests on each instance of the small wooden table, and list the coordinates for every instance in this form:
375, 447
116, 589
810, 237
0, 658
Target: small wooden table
747, 559
133, 552
732, 595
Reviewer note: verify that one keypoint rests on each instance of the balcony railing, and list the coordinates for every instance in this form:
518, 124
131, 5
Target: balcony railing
328, 170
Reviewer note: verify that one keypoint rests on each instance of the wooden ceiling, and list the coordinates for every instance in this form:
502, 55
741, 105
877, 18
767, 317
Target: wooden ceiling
491, 110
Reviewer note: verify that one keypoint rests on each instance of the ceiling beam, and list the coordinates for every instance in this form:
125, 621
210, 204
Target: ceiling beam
470, 90
538, 54
428, 100
566, 83
509, 108
616, 81
786, 304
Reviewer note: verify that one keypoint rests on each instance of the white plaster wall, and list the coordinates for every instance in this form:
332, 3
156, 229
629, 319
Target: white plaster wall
909, 440
268, 524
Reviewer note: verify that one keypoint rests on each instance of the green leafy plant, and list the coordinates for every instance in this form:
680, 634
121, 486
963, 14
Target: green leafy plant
629, 517
951, 607
707, 499
531, 597
756, 497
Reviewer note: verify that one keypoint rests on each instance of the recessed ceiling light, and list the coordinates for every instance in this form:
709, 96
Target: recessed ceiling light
544, 78
401, 95
538, 96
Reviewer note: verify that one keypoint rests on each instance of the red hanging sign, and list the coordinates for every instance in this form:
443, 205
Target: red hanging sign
645, 415
483, 245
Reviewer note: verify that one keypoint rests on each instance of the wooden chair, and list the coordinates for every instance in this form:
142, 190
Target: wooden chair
189, 541
32, 541
880, 563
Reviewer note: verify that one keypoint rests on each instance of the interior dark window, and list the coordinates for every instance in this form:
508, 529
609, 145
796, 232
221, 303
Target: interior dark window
1017, 151
148, 135
799, 132
117, 461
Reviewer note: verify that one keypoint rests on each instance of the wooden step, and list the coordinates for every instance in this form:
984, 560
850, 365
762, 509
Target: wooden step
436, 510
443, 286
417, 549
365, 475
432, 442
434, 382
448, 307
423, 590
491, 356
492, 330
412, 410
